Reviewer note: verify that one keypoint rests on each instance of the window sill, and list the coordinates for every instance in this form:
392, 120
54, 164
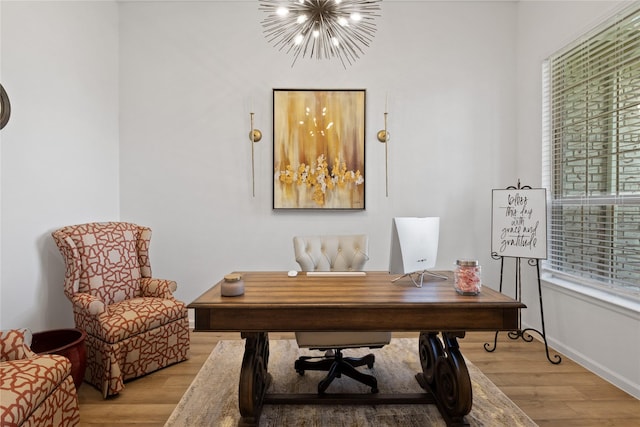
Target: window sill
628, 304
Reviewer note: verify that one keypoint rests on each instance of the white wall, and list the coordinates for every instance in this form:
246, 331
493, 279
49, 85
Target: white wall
462, 80
189, 73
59, 150
601, 335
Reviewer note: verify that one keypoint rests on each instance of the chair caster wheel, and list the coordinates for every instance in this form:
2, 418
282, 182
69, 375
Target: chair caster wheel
374, 390
370, 360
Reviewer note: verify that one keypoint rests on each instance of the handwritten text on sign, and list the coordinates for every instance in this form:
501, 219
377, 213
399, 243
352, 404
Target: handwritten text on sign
519, 223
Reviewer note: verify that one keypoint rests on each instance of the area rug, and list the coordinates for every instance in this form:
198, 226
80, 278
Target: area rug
212, 397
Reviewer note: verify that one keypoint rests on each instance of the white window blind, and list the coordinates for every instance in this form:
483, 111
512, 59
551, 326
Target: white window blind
591, 146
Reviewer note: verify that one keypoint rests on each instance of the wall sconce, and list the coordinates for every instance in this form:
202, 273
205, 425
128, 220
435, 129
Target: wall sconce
254, 136
384, 136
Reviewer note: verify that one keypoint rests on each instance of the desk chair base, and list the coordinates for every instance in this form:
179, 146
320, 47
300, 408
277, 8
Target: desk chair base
338, 365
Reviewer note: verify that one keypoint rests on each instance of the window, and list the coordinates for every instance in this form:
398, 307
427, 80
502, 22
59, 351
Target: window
592, 157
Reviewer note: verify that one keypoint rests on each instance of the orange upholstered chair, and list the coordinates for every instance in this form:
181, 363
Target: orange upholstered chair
35, 390
134, 324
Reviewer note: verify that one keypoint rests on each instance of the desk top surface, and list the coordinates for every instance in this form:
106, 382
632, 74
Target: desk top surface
275, 289
272, 302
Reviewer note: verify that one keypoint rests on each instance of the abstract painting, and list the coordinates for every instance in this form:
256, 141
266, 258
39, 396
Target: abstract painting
319, 149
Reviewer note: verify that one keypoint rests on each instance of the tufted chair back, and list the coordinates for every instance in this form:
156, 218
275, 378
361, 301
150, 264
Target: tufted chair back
331, 253
105, 259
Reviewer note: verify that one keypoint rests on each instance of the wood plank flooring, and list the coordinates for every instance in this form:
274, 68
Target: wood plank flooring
552, 395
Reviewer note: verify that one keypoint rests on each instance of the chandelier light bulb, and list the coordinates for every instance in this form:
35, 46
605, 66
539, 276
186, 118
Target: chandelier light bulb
321, 29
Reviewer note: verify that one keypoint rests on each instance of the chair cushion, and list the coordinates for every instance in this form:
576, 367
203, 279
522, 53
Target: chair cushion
134, 316
324, 340
27, 383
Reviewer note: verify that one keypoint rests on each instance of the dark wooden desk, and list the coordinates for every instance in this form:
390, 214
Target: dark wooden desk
274, 302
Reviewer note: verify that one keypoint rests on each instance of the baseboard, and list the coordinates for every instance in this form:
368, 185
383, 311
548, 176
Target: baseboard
598, 369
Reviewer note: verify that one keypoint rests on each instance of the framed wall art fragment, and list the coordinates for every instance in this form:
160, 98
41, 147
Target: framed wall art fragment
319, 149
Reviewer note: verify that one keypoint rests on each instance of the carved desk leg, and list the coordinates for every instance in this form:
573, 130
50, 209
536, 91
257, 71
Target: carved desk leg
254, 378
445, 375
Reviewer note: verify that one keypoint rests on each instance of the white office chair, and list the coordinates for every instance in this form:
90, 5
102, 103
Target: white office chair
336, 253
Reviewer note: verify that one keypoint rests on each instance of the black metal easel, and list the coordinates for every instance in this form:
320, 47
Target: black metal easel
520, 333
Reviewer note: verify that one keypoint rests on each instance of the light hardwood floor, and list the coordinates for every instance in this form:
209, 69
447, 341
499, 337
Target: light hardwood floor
552, 395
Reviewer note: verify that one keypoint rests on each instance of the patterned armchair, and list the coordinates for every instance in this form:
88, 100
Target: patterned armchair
134, 325
35, 390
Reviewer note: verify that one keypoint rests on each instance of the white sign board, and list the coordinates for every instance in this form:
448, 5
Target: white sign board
519, 223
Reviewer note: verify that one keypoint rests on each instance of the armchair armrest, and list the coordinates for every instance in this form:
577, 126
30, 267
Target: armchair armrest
15, 345
88, 303
159, 288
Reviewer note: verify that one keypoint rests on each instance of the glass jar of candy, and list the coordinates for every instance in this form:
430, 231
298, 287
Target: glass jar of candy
467, 277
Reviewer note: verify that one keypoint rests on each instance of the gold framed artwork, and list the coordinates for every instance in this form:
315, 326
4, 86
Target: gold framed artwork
319, 149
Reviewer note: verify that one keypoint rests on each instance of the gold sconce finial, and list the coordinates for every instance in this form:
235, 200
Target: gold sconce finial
384, 137
255, 135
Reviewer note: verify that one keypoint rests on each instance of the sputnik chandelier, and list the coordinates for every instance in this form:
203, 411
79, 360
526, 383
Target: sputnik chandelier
323, 29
